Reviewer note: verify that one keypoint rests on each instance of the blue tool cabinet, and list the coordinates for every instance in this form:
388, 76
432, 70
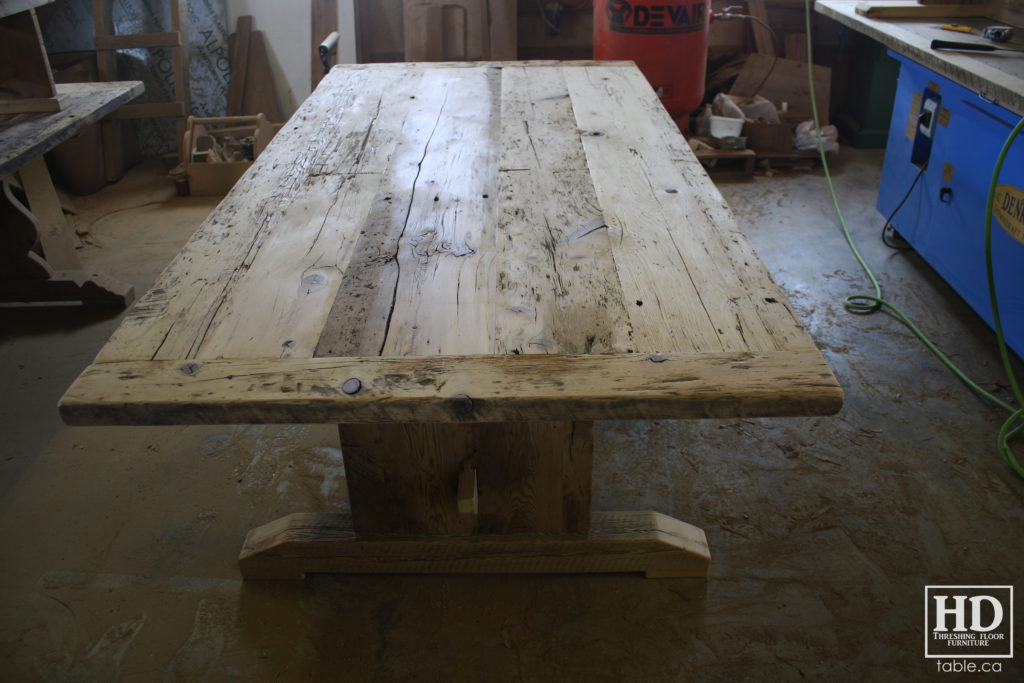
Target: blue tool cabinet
944, 217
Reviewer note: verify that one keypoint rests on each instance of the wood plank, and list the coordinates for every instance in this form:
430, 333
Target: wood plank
28, 137
764, 41
19, 237
443, 301
423, 30
504, 32
182, 79
796, 46
532, 477
260, 93
1009, 12
24, 65
273, 295
323, 20
647, 542
513, 388
557, 287
890, 10
406, 225
106, 70
54, 234
239, 65
536, 63
380, 30
762, 294
103, 25
29, 105
149, 110
680, 293
448, 30
138, 40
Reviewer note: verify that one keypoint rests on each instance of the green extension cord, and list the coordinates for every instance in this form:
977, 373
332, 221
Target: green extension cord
866, 303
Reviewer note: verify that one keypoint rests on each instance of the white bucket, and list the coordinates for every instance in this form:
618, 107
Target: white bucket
725, 127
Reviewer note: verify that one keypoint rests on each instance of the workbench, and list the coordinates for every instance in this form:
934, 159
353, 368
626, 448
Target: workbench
56, 275
996, 77
951, 116
464, 265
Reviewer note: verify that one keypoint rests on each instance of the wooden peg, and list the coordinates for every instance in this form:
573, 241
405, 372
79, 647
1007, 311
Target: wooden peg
469, 502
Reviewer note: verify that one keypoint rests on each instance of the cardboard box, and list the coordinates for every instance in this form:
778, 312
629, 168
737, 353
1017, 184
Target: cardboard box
768, 137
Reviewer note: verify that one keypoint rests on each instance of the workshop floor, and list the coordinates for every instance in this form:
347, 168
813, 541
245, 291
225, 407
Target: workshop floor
119, 559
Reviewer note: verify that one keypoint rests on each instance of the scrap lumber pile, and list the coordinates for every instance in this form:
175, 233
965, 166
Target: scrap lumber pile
758, 78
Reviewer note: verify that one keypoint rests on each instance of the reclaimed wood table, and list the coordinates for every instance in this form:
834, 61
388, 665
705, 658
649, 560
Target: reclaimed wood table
57, 275
464, 265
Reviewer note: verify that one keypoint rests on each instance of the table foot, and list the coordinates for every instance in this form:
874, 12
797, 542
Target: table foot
94, 290
303, 543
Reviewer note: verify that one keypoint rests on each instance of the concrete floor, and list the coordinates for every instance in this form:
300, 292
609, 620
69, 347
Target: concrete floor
122, 542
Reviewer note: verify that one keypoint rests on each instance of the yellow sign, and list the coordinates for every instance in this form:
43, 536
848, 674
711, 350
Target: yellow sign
1008, 210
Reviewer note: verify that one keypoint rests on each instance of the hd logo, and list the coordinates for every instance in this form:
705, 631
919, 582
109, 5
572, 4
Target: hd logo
624, 17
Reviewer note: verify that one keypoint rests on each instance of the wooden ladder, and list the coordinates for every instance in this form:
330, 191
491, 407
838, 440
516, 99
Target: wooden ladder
107, 42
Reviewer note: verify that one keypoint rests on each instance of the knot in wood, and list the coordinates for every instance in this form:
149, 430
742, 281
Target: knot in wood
463, 404
352, 386
190, 368
657, 357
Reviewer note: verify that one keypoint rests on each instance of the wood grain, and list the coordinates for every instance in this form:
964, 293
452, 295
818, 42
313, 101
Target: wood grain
57, 240
455, 210
557, 289
763, 39
680, 291
260, 94
434, 389
532, 477
239, 65
439, 30
26, 137
622, 542
24, 66
323, 20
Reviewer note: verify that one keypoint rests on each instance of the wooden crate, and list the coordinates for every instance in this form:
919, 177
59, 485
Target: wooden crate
208, 177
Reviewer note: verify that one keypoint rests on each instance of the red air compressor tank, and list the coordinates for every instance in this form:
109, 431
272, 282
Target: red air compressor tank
668, 40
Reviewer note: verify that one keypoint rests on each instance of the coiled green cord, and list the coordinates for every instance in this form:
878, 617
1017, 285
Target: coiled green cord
867, 303
1008, 429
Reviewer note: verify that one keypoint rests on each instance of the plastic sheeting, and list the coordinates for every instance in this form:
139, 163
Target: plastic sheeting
68, 27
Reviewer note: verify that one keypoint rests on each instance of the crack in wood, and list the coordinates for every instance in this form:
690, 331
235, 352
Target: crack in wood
405, 225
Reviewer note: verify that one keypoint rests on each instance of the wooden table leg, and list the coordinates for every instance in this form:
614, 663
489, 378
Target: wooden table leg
57, 275
532, 512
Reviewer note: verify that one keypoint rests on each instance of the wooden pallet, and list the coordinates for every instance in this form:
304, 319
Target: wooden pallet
740, 163
732, 162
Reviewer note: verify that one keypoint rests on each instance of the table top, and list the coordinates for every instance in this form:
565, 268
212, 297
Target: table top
463, 242
23, 137
997, 76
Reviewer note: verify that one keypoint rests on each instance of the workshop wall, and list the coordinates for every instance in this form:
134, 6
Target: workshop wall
286, 26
